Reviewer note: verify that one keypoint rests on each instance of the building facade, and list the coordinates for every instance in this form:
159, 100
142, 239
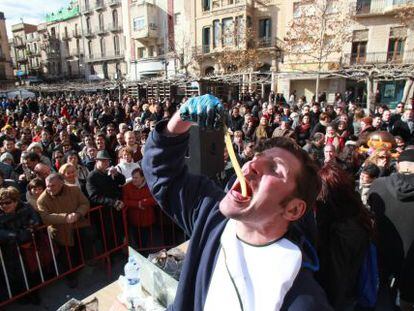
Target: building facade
380, 40
6, 69
103, 40
150, 38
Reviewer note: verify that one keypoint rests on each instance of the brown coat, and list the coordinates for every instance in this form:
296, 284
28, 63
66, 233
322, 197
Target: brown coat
54, 209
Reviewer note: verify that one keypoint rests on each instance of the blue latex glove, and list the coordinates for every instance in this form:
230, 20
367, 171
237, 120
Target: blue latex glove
205, 110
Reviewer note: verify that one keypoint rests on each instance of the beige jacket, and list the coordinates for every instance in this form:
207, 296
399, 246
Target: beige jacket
54, 209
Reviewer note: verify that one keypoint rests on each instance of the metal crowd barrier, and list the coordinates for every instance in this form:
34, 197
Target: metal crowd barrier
38, 274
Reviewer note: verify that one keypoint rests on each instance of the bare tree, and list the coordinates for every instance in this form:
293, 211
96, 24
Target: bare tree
376, 72
317, 33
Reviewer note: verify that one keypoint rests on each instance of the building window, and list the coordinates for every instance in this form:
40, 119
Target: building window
151, 51
88, 24
102, 45
359, 52
396, 44
115, 18
216, 33
265, 31
92, 70
140, 52
116, 45
228, 31
160, 50
177, 18
139, 23
90, 49
206, 40
101, 21
206, 5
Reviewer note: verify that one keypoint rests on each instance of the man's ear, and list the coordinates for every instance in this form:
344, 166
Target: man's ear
294, 209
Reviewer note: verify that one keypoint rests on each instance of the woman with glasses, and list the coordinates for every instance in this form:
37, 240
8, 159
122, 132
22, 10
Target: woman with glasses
382, 159
17, 222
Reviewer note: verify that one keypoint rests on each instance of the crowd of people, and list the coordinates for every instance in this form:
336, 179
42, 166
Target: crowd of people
60, 156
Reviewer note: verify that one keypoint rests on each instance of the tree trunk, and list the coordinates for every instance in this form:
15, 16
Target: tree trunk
318, 75
407, 90
370, 92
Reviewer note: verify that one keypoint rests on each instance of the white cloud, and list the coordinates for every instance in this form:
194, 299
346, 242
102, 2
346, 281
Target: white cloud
31, 11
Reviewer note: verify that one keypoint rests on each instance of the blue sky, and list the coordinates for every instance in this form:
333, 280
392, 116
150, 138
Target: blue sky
32, 11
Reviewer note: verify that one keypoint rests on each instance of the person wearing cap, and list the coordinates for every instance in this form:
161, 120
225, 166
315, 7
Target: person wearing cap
104, 188
391, 199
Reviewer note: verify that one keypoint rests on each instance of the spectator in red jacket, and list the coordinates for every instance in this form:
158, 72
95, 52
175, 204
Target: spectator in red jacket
140, 209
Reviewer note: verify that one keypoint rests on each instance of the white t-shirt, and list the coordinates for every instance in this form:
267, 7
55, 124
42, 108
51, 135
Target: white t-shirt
262, 274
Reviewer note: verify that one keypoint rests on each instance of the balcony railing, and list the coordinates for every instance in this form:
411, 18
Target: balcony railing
101, 30
406, 57
374, 7
115, 27
99, 5
76, 33
76, 53
22, 59
86, 9
19, 44
114, 2
104, 56
66, 36
89, 33
206, 48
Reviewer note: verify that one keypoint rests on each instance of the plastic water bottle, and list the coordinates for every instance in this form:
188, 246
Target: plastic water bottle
131, 271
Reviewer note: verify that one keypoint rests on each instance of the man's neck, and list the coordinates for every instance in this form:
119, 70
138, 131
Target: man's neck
260, 236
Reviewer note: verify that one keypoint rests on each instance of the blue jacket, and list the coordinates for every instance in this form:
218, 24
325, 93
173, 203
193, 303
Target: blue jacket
192, 201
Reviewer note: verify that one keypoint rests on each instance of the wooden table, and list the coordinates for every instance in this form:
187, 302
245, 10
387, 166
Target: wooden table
107, 298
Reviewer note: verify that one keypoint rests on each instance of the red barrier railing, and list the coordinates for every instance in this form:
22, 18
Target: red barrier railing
163, 234
42, 261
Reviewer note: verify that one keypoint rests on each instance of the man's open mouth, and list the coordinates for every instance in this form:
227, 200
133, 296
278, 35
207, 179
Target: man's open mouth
236, 192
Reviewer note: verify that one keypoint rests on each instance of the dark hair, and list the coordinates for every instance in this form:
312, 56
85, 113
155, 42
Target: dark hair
32, 156
71, 153
308, 183
36, 182
371, 170
338, 197
137, 170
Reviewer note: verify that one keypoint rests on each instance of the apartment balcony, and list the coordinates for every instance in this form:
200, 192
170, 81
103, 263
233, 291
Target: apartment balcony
372, 8
113, 3
115, 28
76, 53
19, 44
368, 59
146, 33
86, 9
22, 59
218, 7
99, 5
76, 33
101, 57
89, 33
53, 55
101, 30
66, 36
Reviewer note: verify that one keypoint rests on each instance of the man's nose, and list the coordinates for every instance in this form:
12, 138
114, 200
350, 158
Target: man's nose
251, 168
